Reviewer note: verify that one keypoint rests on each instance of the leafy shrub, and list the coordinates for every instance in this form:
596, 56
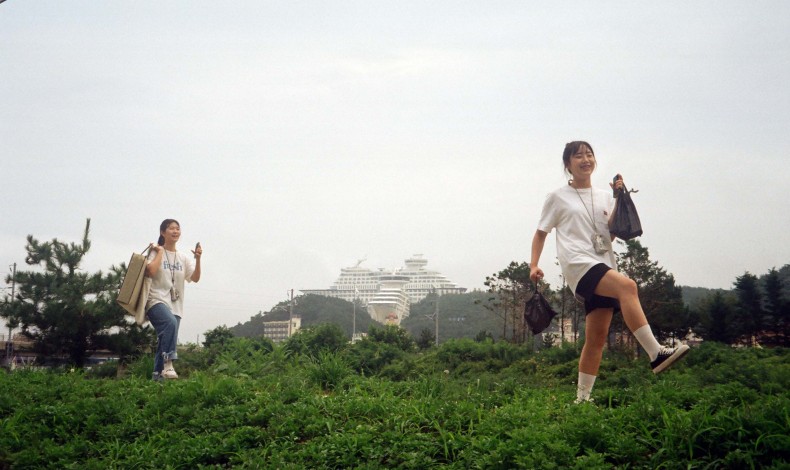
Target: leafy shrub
765, 370
328, 370
497, 355
369, 357
142, 368
107, 370
567, 352
244, 356
392, 335
312, 341
404, 368
522, 367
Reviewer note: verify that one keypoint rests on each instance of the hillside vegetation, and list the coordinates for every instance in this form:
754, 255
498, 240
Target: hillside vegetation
378, 404
460, 316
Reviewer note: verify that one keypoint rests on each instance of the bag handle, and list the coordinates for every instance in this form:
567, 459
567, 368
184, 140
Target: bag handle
624, 190
538, 289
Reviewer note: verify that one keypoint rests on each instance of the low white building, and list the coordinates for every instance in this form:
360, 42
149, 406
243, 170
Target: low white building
279, 331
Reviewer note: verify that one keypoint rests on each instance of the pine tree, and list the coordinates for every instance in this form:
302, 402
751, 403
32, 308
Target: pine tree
510, 289
717, 319
69, 313
749, 316
661, 299
777, 310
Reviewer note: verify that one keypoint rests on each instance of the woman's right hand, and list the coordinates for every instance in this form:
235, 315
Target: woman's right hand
536, 274
153, 264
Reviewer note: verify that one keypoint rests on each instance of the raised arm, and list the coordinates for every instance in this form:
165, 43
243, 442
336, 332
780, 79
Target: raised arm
153, 265
198, 252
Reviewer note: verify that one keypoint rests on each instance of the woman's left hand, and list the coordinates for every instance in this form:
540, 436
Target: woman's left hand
198, 251
619, 184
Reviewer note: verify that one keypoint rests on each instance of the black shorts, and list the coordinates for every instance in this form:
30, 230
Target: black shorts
585, 290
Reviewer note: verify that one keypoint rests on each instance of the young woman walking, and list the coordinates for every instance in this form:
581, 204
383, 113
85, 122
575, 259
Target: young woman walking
581, 215
168, 268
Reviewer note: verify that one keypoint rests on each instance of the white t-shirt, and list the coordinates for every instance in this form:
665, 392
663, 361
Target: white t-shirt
176, 267
564, 210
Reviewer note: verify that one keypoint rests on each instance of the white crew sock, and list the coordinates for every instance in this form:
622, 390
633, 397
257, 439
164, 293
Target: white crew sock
645, 337
584, 387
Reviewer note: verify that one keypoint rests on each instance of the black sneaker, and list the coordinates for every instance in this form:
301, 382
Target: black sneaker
668, 356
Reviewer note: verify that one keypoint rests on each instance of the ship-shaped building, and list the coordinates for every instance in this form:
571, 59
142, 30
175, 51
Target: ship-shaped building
388, 294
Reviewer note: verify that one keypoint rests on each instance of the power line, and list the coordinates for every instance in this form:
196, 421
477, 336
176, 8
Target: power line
225, 291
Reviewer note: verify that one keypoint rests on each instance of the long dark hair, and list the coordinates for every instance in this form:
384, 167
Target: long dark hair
162, 227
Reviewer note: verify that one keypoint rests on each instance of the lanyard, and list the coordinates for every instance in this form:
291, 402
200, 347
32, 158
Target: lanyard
592, 201
172, 268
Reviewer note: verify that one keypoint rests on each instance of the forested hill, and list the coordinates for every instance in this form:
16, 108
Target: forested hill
313, 310
693, 295
464, 314
460, 316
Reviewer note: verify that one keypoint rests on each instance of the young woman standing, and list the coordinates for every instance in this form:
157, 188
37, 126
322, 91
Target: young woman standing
581, 216
168, 268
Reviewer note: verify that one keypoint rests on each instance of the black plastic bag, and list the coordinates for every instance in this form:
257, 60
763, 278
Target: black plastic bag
538, 313
625, 220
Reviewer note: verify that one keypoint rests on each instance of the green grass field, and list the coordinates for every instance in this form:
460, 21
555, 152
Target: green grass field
465, 405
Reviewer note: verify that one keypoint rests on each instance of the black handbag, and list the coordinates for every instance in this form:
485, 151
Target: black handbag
538, 313
625, 220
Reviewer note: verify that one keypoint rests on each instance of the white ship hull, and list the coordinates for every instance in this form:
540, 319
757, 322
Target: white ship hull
387, 314
391, 303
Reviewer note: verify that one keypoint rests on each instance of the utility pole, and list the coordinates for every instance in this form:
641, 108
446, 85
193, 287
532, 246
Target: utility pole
9, 345
291, 314
436, 317
354, 318
13, 281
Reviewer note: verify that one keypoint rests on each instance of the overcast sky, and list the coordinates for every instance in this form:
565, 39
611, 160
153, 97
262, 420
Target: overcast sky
294, 138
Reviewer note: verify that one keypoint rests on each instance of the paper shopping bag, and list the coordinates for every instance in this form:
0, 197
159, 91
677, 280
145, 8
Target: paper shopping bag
135, 287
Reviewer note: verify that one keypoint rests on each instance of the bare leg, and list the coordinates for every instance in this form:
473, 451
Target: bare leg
615, 285
595, 330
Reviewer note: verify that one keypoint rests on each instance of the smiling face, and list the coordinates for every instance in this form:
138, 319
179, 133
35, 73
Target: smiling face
582, 163
579, 160
172, 233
